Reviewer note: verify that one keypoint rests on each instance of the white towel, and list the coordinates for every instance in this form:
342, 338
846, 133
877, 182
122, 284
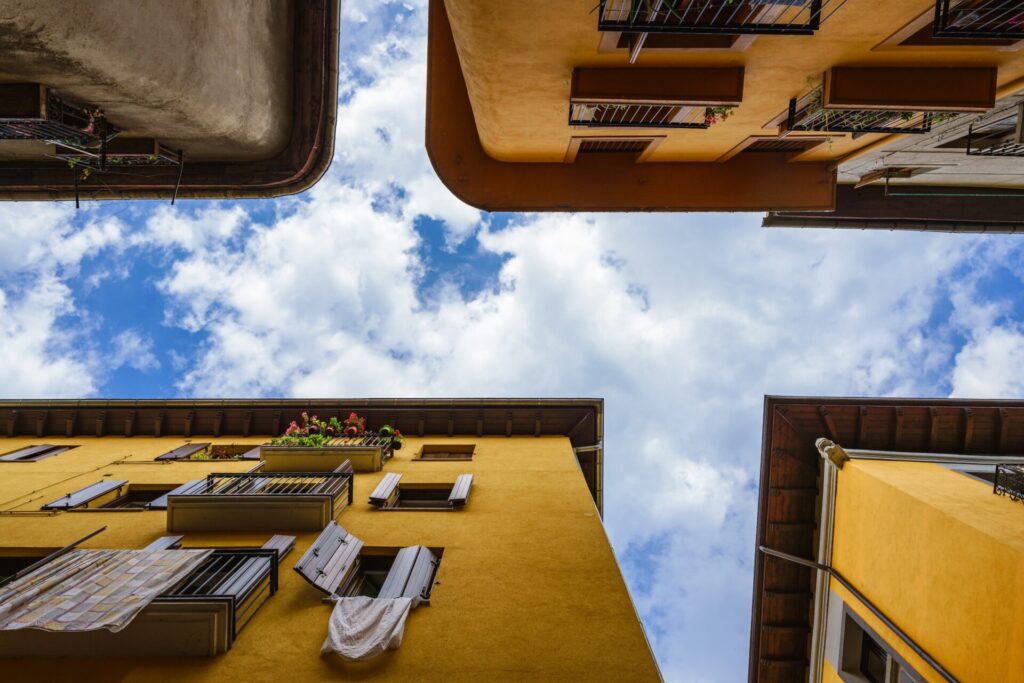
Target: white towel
361, 627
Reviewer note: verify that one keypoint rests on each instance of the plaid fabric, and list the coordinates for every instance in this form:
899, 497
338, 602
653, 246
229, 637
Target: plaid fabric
86, 590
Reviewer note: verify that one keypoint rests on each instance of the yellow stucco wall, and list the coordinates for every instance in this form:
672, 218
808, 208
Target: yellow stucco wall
941, 556
517, 58
528, 588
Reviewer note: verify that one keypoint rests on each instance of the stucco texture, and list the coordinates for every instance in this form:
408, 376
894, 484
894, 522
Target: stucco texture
528, 588
941, 556
211, 78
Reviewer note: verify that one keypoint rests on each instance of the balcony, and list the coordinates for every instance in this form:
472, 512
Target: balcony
729, 17
596, 115
984, 19
808, 114
34, 112
367, 451
255, 501
200, 615
1010, 481
1000, 137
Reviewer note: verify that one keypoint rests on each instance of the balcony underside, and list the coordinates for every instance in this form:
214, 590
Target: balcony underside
304, 512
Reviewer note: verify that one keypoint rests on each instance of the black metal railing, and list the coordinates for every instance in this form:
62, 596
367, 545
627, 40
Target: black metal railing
246, 578
638, 115
807, 114
159, 155
61, 122
1010, 481
337, 485
996, 19
363, 440
794, 17
1002, 136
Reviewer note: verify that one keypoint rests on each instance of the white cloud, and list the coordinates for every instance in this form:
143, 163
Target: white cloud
133, 349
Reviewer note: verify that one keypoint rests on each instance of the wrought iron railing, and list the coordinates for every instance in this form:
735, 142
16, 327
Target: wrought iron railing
244, 577
61, 122
639, 115
796, 17
1010, 481
808, 114
996, 19
337, 485
363, 440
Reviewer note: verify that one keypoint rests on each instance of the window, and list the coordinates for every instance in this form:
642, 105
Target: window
339, 564
865, 657
208, 451
137, 497
33, 453
637, 149
453, 451
983, 473
391, 494
919, 34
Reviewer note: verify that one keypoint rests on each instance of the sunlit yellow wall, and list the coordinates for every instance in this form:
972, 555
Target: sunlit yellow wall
941, 556
518, 57
528, 588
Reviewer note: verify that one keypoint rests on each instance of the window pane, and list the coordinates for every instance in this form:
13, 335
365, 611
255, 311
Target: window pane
872, 660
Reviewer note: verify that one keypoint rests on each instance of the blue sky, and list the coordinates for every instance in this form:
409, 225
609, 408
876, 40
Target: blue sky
379, 283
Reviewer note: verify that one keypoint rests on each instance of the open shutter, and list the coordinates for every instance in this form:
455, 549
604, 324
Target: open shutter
331, 559
251, 454
165, 543
161, 502
182, 452
460, 491
345, 467
386, 490
281, 543
32, 453
83, 496
412, 575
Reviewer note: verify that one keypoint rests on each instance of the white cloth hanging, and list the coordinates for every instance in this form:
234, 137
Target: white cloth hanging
362, 627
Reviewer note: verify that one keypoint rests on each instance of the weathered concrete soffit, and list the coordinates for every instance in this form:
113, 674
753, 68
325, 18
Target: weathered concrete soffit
156, 100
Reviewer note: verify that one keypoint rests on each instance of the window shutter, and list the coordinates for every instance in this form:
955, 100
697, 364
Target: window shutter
345, 467
251, 454
386, 490
83, 496
331, 559
412, 575
161, 502
182, 452
460, 491
281, 543
165, 543
33, 453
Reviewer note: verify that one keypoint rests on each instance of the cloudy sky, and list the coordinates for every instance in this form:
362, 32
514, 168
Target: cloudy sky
377, 282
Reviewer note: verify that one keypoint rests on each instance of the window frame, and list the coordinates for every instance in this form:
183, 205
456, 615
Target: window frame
429, 448
51, 451
851, 641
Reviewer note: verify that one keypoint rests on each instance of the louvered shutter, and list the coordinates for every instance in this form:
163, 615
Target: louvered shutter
83, 496
412, 575
281, 543
331, 559
386, 490
182, 452
161, 502
33, 453
165, 543
460, 491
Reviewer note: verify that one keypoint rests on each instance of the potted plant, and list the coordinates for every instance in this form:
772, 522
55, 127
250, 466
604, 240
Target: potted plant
312, 446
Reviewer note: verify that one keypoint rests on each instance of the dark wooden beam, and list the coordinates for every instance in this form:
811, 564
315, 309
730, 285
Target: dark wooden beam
218, 420
536, 425
451, 423
1004, 426
480, 424
69, 424
129, 424
420, 423
861, 425
278, 427
933, 427
783, 414
968, 416
41, 423
784, 453
897, 431
829, 423
247, 425
579, 423
12, 421
158, 424
101, 423
508, 424
189, 417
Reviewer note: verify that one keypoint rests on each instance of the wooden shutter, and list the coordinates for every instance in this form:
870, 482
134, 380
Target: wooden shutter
331, 559
165, 543
33, 453
345, 467
251, 454
386, 490
161, 502
412, 575
182, 452
281, 543
83, 496
460, 491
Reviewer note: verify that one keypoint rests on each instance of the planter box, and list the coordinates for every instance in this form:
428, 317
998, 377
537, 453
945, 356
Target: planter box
324, 459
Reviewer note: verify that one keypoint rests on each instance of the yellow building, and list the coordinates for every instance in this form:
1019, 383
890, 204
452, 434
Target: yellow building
841, 109
890, 541
488, 514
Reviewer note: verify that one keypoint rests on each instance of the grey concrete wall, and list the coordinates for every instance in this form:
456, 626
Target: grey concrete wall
213, 77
